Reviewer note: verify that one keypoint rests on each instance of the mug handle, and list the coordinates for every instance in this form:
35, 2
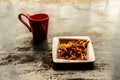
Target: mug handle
23, 21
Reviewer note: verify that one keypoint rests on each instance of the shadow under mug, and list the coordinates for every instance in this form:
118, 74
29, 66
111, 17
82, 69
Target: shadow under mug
38, 25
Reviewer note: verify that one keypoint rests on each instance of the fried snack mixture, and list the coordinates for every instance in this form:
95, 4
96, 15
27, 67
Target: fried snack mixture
73, 50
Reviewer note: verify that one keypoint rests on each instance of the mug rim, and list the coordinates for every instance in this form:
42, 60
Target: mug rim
46, 18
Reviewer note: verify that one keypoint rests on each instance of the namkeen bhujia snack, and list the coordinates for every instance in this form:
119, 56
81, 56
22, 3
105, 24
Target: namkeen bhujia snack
73, 49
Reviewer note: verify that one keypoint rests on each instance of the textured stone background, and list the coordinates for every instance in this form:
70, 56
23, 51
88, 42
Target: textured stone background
21, 59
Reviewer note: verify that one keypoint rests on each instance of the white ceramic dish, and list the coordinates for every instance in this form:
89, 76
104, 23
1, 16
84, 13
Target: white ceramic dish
55, 45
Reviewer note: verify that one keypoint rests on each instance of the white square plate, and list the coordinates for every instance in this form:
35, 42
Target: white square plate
55, 45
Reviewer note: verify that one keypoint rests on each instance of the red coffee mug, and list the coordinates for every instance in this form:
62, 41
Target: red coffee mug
38, 25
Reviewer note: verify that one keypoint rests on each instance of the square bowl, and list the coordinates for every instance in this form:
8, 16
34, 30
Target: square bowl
56, 44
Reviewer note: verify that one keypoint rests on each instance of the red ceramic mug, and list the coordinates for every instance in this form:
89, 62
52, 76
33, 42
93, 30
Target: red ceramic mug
38, 25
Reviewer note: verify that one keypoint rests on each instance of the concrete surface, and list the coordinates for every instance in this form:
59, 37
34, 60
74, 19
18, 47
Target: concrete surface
21, 59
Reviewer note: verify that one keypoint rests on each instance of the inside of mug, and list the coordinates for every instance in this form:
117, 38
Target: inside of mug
39, 16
